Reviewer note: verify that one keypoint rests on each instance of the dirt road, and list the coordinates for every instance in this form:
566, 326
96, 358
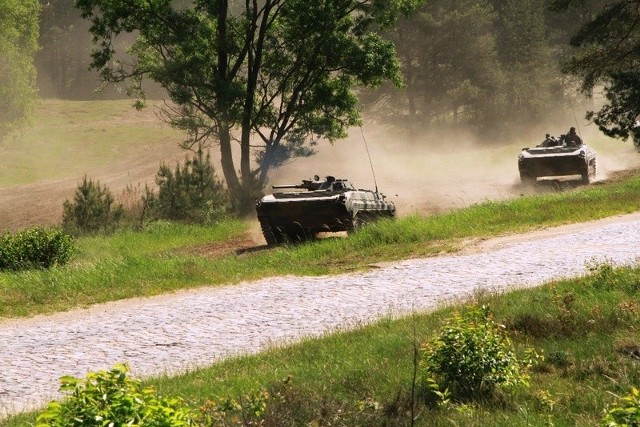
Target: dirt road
188, 329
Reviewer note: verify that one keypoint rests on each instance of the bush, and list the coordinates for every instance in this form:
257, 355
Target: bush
626, 412
191, 193
35, 247
92, 209
112, 399
471, 356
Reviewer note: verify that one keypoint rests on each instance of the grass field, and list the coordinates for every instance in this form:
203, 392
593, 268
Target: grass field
586, 330
69, 139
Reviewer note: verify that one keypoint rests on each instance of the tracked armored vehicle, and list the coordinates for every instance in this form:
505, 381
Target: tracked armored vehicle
557, 159
298, 212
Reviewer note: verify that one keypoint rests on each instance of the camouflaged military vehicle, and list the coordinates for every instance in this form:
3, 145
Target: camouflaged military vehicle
300, 211
555, 158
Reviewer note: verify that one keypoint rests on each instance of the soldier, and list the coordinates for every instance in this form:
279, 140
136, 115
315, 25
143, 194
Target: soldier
572, 138
549, 141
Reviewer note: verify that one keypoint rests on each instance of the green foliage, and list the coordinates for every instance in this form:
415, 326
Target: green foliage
247, 410
112, 398
18, 45
35, 247
606, 57
283, 69
471, 356
532, 76
191, 193
449, 58
487, 65
92, 209
626, 412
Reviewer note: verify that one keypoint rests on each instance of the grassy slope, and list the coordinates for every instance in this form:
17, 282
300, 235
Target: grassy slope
168, 257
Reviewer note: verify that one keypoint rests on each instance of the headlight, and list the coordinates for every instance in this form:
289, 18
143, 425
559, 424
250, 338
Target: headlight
582, 154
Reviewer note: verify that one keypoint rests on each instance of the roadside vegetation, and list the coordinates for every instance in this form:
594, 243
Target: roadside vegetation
165, 256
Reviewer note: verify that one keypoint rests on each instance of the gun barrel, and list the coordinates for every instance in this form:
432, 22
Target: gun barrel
283, 186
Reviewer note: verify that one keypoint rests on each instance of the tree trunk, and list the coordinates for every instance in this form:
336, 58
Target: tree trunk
226, 160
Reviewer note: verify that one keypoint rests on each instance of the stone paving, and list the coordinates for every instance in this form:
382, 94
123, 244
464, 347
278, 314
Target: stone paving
185, 330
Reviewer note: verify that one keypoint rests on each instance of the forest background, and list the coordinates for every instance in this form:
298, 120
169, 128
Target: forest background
488, 66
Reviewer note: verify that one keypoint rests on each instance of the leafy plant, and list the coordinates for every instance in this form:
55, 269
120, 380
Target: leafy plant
35, 247
245, 411
92, 209
472, 355
191, 193
626, 412
111, 398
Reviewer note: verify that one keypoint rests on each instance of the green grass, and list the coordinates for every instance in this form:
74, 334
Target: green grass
166, 257
584, 327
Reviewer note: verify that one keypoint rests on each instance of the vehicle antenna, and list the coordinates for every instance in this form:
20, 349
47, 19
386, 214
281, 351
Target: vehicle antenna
370, 162
575, 119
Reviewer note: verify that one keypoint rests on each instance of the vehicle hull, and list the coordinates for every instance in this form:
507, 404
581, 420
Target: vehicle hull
325, 206
312, 216
559, 161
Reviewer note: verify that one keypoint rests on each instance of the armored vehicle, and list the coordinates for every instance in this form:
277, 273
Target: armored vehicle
298, 212
557, 158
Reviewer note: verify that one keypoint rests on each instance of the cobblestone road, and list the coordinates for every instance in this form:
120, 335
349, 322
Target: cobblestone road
185, 330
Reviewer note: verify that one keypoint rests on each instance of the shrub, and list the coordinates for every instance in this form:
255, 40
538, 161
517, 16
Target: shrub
111, 398
191, 193
626, 412
92, 209
471, 356
35, 247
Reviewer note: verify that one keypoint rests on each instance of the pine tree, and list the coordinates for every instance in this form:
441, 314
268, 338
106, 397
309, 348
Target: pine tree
191, 193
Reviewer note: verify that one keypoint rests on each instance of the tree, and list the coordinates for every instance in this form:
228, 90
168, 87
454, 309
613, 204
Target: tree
282, 71
449, 61
608, 56
461, 72
532, 75
63, 60
191, 193
18, 45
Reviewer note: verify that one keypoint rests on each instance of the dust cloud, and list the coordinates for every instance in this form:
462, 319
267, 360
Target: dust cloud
422, 175
431, 174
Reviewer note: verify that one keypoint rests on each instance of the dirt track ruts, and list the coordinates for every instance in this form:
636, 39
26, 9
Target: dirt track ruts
172, 333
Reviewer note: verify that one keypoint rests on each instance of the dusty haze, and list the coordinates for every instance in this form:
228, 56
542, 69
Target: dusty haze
424, 175
432, 174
